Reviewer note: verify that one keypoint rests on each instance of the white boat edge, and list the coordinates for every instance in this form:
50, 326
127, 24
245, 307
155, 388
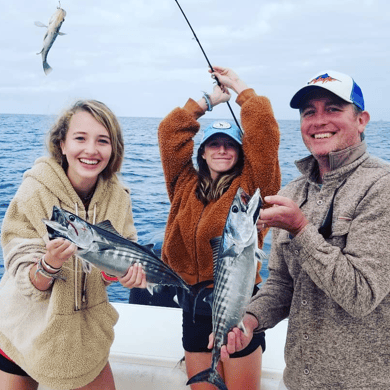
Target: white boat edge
147, 350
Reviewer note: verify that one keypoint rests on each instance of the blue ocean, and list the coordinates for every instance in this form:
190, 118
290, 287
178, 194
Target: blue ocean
23, 139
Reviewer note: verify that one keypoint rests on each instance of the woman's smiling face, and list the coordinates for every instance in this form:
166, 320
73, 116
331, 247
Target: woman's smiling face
221, 154
87, 148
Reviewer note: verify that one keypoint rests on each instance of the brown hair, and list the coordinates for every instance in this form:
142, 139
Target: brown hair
209, 189
105, 117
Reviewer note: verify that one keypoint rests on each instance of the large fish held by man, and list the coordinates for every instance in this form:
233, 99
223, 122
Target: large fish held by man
236, 255
53, 30
103, 247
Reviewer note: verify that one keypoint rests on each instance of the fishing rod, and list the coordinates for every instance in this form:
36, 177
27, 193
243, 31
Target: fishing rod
197, 40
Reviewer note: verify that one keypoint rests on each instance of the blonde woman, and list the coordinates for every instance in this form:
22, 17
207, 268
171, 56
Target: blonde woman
56, 324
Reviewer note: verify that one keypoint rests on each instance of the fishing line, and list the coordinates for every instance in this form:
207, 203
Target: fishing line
197, 40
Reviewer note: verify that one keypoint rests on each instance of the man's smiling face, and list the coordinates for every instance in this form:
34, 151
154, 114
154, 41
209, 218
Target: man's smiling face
330, 124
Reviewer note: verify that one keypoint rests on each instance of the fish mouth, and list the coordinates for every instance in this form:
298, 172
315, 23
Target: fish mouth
58, 228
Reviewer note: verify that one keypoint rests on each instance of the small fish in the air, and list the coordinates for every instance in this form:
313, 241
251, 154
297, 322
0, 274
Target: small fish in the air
53, 30
235, 254
102, 246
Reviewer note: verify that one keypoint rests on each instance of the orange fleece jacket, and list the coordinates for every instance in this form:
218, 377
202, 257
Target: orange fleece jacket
191, 225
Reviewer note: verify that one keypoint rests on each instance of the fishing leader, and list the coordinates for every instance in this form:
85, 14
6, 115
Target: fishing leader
330, 258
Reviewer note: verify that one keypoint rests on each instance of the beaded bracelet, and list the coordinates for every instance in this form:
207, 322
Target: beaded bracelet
46, 274
206, 97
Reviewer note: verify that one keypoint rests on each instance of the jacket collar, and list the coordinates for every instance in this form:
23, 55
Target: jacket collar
308, 166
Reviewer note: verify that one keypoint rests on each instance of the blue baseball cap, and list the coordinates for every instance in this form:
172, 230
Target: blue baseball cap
222, 127
340, 84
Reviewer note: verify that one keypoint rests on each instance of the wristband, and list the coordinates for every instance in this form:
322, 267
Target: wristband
109, 278
48, 267
206, 97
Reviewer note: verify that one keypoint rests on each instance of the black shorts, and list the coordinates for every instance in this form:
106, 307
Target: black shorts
196, 336
9, 366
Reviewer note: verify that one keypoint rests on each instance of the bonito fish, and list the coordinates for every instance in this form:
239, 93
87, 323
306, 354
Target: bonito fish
53, 30
236, 254
102, 246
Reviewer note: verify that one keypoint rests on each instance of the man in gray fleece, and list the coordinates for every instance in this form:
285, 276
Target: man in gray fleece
330, 258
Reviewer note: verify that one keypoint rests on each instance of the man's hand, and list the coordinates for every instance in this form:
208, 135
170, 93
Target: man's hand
285, 214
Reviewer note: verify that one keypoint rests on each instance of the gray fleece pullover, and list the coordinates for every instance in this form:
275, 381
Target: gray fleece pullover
334, 287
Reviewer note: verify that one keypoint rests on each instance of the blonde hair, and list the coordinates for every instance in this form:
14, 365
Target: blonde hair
208, 189
105, 117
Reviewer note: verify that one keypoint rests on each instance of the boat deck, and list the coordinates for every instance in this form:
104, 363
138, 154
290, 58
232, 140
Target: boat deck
147, 350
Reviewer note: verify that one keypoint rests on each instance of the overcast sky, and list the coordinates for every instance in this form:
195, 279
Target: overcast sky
140, 58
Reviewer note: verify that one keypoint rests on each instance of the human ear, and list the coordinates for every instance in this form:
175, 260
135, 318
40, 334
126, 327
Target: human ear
364, 118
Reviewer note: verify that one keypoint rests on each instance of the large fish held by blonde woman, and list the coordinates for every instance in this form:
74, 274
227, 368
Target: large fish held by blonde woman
103, 247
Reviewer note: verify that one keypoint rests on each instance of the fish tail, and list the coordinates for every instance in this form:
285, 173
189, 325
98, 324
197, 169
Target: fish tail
47, 68
211, 376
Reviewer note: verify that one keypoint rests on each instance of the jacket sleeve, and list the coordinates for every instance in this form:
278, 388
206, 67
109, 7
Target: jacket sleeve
357, 277
260, 142
261, 147
175, 134
22, 245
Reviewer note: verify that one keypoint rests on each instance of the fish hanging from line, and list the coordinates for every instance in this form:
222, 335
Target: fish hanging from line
236, 255
102, 246
53, 30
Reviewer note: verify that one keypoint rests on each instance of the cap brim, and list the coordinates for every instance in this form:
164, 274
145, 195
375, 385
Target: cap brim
218, 131
298, 97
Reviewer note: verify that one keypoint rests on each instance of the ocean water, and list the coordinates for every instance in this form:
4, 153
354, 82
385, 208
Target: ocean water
22, 141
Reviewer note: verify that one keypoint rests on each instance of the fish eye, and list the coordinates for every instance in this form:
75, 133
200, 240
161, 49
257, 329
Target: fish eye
72, 218
235, 209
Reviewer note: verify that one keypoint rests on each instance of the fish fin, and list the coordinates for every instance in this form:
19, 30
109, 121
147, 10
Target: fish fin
107, 225
47, 68
149, 246
195, 290
209, 299
40, 24
61, 33
210, 376
103, 246
241, 326
215, 243
86, 266
150, 287
260, 255
230, 252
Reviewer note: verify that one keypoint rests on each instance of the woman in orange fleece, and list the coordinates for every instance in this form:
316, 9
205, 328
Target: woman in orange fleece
201, 198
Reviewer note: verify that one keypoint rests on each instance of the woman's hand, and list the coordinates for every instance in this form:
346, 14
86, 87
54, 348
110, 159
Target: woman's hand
229, 79
59, 251
219, 95
135, 277
237, 340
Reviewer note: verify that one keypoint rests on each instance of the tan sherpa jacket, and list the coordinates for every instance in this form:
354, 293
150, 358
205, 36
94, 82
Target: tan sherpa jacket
190, 225
57, 345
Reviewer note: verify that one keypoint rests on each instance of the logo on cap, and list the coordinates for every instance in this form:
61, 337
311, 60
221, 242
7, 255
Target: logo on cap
222, 125
324, 78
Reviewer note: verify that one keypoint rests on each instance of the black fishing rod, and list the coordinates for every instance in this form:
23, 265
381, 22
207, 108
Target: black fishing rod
197, 40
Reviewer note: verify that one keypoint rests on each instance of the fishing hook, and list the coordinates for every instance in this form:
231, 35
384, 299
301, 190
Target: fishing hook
197, 40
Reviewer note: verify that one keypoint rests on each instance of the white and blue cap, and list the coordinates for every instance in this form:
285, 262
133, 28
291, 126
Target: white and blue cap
340, 84
222, 127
